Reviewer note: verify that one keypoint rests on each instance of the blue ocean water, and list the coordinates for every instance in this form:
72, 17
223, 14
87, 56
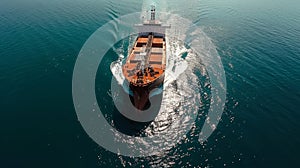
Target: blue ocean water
258, 42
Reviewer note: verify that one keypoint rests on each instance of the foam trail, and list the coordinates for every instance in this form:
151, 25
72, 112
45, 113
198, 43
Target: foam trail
116, 69
145, 8
175, 64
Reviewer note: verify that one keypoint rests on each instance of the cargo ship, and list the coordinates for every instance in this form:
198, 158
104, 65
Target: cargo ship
144, 69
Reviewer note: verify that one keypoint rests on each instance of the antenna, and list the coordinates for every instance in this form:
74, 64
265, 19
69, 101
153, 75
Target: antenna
152, 12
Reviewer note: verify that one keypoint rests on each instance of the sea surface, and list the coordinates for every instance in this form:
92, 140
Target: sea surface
258, 42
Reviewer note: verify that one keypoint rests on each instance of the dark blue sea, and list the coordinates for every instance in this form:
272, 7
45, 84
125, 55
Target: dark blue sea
257, 41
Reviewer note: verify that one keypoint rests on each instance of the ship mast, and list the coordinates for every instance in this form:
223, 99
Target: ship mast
152, 13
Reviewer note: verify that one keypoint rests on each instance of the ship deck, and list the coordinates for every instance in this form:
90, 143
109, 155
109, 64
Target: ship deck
146, 62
